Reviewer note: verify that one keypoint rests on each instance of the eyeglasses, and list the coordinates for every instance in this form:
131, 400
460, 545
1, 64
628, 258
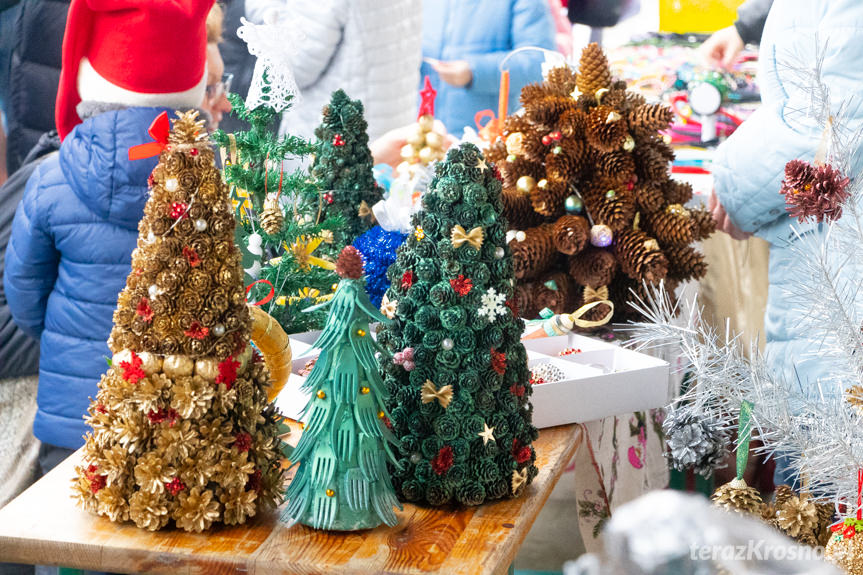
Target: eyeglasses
220, 88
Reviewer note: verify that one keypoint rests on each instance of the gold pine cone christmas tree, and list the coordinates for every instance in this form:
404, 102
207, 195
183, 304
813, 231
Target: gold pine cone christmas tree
588, 148
182, 429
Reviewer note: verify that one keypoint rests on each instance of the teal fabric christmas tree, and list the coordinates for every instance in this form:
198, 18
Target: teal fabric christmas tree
458, 378
343, 483
343, 166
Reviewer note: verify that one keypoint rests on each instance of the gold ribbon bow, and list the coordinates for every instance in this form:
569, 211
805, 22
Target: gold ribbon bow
519, 478
593, 298
364, 211
460, 237
430, 392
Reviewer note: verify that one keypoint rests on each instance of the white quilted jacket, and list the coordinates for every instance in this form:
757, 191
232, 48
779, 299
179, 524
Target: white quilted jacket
372, 49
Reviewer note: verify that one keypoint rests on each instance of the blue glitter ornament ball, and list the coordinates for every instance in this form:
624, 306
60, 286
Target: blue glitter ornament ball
378, 248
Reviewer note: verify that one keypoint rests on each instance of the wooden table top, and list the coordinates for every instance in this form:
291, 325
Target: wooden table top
44, 526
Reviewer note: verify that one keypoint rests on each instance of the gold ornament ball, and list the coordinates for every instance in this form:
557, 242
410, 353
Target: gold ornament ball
417, 139
846, 553
426, 122
381, 415
121, 356
330, 492
525, 184
514, 143
434, 140
426, 155
361, 332
150, 362
208, 368
408, 152
321, 394
365, 390
178, 366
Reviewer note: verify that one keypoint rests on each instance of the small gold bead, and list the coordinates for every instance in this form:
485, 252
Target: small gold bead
361, 332
321, 394
364, 390
335, 287
330, 492
381, 415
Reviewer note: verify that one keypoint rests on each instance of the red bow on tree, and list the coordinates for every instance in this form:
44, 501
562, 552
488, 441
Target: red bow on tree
158, 130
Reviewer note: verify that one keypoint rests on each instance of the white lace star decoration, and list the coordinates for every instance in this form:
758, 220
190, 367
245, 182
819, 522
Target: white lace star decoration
492, 305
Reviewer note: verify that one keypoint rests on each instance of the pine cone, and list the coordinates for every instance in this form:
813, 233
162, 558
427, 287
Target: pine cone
512, 171
187, 129
768, 512
571, 234
593, 267
562, 80
676, 192
703, 223
652, 166
535, 254
547, 198
547, 110
349, 265
573, 123
497, 152
669, 228
617, 164
623, 99
518, 210
593, 70
606, 129
739, 497
530, 95
615, 210
271, 217
555, 291
685, 263
782, 494
648, 119
525, 297
534, 149
648, 197
640, 257
797, 515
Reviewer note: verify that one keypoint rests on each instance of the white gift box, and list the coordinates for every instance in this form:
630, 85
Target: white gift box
600, 380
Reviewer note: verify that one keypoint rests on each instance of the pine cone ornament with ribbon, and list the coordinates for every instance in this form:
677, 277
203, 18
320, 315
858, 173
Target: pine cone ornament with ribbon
271, 217
737, 496
593, 70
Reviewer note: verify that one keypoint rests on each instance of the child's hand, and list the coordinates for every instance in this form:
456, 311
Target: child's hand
723, 222
721, 49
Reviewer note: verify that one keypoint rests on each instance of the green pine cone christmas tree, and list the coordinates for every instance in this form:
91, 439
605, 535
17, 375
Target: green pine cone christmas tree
343, 483
458, 380
343, 166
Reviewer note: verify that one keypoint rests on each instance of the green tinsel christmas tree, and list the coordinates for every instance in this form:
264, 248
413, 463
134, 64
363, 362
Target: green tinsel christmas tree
458, 380
343, 164
286, 239
343, 483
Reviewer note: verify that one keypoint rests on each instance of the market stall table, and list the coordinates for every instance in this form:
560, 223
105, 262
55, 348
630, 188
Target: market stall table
44, 526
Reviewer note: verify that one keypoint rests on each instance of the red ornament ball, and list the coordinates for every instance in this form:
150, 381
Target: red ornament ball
546, 140
338, 140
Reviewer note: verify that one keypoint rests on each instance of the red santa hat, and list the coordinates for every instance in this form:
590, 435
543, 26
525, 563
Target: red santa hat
133, 52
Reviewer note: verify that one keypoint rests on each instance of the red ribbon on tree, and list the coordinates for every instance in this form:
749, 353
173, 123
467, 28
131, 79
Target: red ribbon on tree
158, 130
269, 295
860, 494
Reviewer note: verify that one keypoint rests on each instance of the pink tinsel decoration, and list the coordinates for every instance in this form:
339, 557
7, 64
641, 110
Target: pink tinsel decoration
814, 193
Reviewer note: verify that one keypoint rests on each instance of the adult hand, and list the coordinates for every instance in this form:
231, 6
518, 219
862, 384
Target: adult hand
455, 73
723, 222
387, 149
722, 47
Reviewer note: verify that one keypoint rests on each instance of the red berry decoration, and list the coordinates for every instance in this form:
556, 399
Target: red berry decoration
520, 452
408, 279
243, 442
97, 481
178, 210
329, 197
175, 486
443, 460
555, 135
193, 152
254, 482
132, 371
518, 390
338, 140
461, 285
498, 361
546, 140
228, 371
144, 311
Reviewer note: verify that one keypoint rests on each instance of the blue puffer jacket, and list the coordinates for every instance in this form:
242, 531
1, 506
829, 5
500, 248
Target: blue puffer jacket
483, 32
749, 167
68, 258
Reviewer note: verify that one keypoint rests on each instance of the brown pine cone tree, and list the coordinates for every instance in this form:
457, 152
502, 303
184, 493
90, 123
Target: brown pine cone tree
640, 256
615, 209
606, 128
594, 267
668, 227
518, 210
676, 192
571, 234
535, 254
703, 223
562, 80
648, 119
685, 262
651, 165
593, 70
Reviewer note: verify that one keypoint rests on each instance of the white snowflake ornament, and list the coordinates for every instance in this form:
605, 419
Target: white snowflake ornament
492, 305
